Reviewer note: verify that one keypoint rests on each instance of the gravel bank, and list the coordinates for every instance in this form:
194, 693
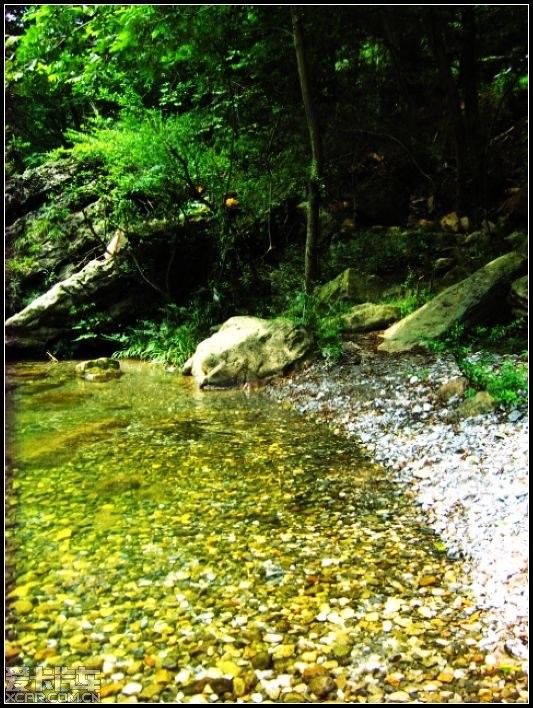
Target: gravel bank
469, 476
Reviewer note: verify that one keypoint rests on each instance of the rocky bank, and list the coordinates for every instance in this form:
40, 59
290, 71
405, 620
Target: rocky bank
469, 476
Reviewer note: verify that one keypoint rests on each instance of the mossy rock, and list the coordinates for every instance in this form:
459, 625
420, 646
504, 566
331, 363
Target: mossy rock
465, 302
352, 286
121, 484
101, 369
480, 404
369, 316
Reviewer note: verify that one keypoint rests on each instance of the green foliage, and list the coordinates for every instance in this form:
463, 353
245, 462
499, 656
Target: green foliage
89, 321
49, 224
413, 295
506, 382
285, 280
140, 177
171, 338
453, 340
167, 166
181, 106
510, 337
16, 146
323, 321
20, 270
382, 251
504, 338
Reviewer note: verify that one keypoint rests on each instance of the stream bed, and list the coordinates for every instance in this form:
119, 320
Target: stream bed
212, 546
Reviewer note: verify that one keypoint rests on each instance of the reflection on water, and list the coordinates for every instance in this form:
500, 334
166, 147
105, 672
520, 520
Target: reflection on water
196, 546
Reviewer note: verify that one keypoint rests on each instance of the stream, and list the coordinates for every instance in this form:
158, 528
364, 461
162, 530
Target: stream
212, 546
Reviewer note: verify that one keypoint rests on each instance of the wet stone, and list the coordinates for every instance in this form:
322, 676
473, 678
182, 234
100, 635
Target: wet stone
284, 651
322, 686
151, 691
132, 688
262, 661
239, 687
22, 607
110, 689
171, 661
293, 697
313, 672
398, 697
342, 653
11, 651
93, 662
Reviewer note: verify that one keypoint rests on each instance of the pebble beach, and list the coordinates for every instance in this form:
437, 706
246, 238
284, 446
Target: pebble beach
468, 476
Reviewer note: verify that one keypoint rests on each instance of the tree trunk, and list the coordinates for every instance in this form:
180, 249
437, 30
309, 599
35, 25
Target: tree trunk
453, 100
468, 76
316, 168
395, 51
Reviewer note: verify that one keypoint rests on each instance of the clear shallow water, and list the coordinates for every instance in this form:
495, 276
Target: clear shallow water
213, 544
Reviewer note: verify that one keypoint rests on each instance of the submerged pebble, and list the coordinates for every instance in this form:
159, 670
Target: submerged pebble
260, 558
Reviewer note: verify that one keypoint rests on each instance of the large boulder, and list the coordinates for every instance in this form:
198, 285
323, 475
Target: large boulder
47, 317
518, 297
352, 286
459, 303
246, 349
368, 317
31, 189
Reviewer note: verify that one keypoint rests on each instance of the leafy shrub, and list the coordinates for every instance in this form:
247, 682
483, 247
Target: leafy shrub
507, 383
323, 321
169, 339
510, 337
413, 296
382, 252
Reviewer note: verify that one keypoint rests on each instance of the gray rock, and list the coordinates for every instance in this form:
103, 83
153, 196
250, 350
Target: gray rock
352, 286
369, 316
457, 303
246, 349
48, 316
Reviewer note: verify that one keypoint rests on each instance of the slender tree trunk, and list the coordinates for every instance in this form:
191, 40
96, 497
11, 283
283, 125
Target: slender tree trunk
463, 105
395, 52
468, 76
316, 167
453, 100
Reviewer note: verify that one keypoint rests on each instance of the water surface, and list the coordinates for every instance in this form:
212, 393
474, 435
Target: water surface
213, 546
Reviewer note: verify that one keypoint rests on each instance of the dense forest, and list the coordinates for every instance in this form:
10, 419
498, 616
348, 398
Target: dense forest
251, 152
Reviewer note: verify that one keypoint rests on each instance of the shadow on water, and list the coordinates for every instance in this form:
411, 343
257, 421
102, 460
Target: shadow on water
172, 538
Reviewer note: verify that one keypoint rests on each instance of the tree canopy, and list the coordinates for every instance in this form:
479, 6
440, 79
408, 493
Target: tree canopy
185, 104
